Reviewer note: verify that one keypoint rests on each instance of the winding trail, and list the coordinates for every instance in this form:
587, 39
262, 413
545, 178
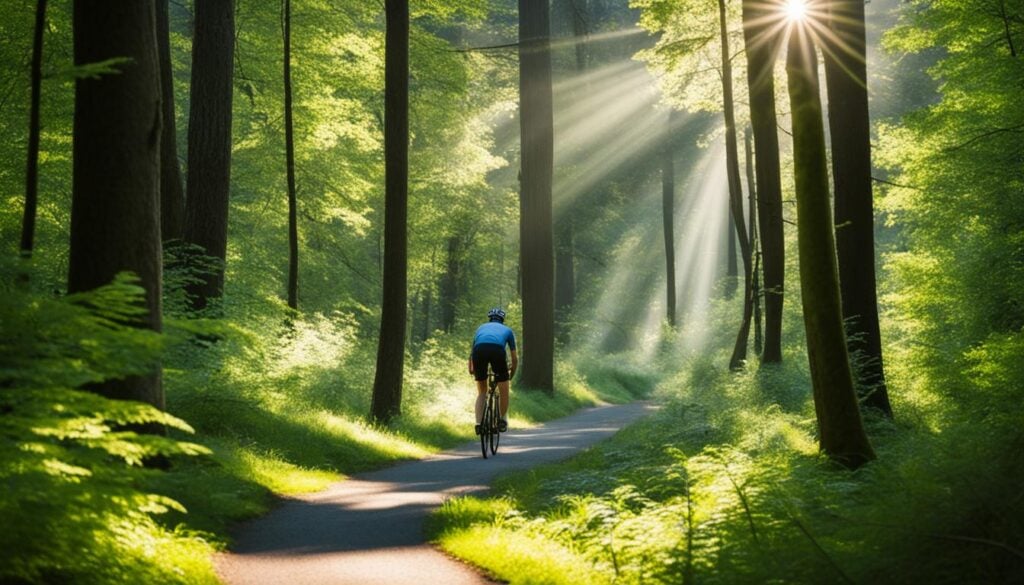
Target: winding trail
369, 529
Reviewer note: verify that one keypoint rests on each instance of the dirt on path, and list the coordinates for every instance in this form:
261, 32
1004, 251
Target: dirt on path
368, 530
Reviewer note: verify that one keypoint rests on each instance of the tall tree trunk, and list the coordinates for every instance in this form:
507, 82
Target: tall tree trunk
739, 352
535, 226
449, 285
762, 44
387, 382
846, 80
289, 145
668, 197
115, 199
835, 402
574, 15
732, 270
172, 192
209, 142
28, 223
425, 331
755, 281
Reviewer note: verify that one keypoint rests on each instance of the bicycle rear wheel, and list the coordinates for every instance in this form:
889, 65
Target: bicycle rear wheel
495, 435
485, 429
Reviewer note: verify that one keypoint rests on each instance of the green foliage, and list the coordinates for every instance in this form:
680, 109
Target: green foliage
72, 469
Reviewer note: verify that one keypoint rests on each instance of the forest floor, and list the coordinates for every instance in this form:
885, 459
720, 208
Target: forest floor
369, 529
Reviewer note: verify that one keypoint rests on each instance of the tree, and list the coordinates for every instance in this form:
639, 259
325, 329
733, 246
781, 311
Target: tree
755, 283
289, 142
28, 224
668, 195
387, 382
761, 42
209, 142
849, 125
739, 352
840, 427
115, 200
449, 285
574, 15
535, 227
172, 192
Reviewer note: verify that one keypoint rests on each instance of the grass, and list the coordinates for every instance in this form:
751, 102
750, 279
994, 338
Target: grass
725, 485
283, 410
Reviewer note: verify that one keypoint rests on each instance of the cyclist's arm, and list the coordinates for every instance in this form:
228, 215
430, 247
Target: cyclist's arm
515, 363
471, 372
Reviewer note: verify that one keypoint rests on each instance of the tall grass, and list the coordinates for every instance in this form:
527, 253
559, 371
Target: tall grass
726, 485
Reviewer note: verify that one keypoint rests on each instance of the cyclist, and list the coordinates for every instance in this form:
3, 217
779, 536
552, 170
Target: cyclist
489, 348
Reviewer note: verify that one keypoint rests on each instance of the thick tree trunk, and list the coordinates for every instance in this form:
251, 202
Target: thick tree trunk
172, 192
115, 199
835, 402
289, 145
387, 382
755, 281
28, 223
209, 141
846, 80
668, 203
535, 227
449, 285
739, 352
762, 44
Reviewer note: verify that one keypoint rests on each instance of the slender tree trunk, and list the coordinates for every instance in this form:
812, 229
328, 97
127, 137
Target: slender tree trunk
28, 224
755, 281
835, 402
762, 43
425, 331
574, 12
115, 199
535, 227
209, 142
289, 142
739, 352
387, 382
449, 285
732, 270
846, 80
172, 192
668, 197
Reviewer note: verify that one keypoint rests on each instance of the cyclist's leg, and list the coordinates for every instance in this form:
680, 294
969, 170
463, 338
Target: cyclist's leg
503, 393
481, 396
480, 362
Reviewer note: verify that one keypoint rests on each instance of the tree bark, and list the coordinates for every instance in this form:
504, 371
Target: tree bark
668, 196
28, 223
172, 192
289, 142
762, 45
387, 382
755, 284
535, 227
449, 285
115, 199
849, 123
209, 142
840, 427
739, 352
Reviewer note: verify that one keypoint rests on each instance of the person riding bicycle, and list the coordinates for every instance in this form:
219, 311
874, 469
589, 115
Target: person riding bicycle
489, 349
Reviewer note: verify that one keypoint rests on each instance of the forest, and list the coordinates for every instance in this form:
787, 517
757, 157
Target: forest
245, 245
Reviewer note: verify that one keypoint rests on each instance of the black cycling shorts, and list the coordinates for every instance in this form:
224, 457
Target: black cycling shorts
490, 354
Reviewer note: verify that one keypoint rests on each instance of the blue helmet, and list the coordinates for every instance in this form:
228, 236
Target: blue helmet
496, 314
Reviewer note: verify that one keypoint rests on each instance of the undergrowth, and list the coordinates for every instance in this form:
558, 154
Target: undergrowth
725, 485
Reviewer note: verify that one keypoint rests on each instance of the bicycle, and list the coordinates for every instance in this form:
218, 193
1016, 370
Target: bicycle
489, 433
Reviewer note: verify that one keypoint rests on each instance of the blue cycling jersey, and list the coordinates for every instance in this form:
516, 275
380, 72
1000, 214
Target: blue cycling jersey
495, 333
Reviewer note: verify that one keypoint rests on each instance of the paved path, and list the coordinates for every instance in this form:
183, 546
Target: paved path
369, 529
